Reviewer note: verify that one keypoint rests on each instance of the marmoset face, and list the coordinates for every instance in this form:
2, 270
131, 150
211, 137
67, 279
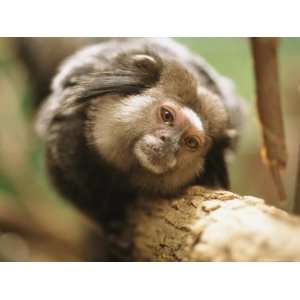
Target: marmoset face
160, 137
159, 142
175, 138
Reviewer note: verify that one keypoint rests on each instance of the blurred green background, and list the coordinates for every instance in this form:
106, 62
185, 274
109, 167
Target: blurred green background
23, 182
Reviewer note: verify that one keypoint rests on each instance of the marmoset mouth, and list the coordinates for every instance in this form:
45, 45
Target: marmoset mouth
153, 159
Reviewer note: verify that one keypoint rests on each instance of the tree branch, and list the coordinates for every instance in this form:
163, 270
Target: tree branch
207, 225
268, 104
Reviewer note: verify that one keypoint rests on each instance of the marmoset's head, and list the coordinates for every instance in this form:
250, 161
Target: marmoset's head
158, 137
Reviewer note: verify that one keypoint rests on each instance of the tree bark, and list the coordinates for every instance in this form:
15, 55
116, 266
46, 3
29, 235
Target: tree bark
207, 225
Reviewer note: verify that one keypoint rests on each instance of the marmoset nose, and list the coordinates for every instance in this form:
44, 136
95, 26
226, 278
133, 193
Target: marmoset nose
165, 138
170, 142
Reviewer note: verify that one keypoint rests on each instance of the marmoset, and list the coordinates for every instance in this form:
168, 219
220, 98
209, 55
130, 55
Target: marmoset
133, 117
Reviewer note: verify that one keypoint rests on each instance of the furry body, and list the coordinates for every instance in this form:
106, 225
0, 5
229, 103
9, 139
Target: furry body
105, 143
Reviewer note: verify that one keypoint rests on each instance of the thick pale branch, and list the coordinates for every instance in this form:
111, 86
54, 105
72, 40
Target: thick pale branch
207, 225
202, 225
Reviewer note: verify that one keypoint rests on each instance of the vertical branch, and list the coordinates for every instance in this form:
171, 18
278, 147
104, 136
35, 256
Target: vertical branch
264, 52
297, 190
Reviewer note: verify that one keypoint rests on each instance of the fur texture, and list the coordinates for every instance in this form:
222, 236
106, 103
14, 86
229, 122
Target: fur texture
100, 126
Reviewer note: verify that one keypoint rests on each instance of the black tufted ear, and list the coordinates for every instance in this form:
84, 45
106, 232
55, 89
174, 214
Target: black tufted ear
130, 74
215, 172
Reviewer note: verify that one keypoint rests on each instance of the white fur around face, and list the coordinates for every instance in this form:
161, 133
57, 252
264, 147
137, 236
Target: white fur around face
111, 125
146, 163
133, 106
144, 159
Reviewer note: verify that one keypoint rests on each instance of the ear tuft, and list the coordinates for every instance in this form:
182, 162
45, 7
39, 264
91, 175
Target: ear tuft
145, 62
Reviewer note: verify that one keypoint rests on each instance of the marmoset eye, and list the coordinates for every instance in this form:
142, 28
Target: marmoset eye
166, 115
192, 142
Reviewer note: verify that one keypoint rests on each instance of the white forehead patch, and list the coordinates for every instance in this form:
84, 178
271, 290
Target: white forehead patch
193, 118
